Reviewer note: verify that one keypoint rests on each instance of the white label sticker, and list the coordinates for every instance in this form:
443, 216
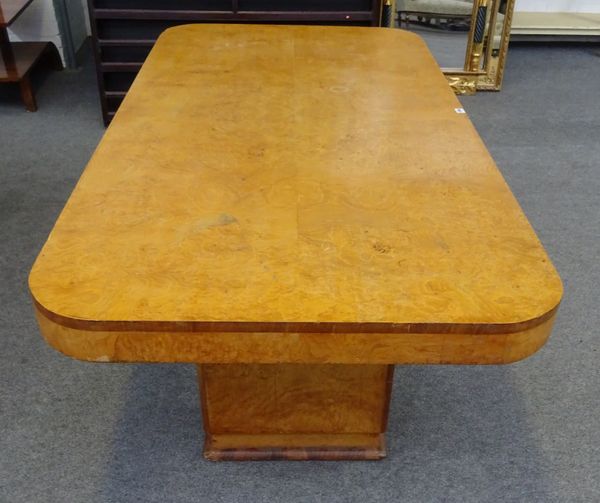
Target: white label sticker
460, 110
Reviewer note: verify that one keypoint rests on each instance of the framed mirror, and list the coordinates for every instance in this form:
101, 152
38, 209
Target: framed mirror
469, 38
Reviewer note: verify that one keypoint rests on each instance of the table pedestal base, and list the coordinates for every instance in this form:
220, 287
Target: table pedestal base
295, 411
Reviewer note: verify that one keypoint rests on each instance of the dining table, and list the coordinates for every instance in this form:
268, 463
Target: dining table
295, 210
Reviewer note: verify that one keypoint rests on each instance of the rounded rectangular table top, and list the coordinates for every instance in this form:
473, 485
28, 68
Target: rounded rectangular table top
293, 179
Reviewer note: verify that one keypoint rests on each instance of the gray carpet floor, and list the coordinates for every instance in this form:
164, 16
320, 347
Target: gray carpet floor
447, 46
82, 432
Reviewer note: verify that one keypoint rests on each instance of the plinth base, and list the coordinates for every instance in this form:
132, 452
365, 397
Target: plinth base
295, 411
298, 447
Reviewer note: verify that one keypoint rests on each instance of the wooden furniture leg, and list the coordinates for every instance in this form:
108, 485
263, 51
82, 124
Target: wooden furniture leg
294, 411
27, 94
17, 60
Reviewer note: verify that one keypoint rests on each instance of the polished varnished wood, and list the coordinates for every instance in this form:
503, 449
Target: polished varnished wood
293, 347
295, 411
124, 31
297, 447
303, 176
295, 196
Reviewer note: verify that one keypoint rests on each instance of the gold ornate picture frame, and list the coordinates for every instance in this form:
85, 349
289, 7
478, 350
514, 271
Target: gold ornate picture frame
487, 47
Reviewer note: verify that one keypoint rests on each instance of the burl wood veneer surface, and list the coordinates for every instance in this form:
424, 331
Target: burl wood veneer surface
293, 178
299, 347
283, 399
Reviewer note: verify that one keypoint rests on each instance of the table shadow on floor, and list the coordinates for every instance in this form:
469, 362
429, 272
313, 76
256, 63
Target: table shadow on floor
455, 433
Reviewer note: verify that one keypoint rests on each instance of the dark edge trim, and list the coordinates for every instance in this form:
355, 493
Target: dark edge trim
325, 453
294, 327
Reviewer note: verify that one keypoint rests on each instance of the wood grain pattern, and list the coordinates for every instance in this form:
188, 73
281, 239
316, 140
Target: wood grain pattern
301, 175
114, 23
265, 347
294, 411
294, 398
309, 210
332, 447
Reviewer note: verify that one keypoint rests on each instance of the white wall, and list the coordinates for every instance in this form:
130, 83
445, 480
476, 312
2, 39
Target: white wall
558, 5
37, 22
84, 5
78, 21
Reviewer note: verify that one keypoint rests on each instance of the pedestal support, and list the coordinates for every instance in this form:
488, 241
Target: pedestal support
295, 411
